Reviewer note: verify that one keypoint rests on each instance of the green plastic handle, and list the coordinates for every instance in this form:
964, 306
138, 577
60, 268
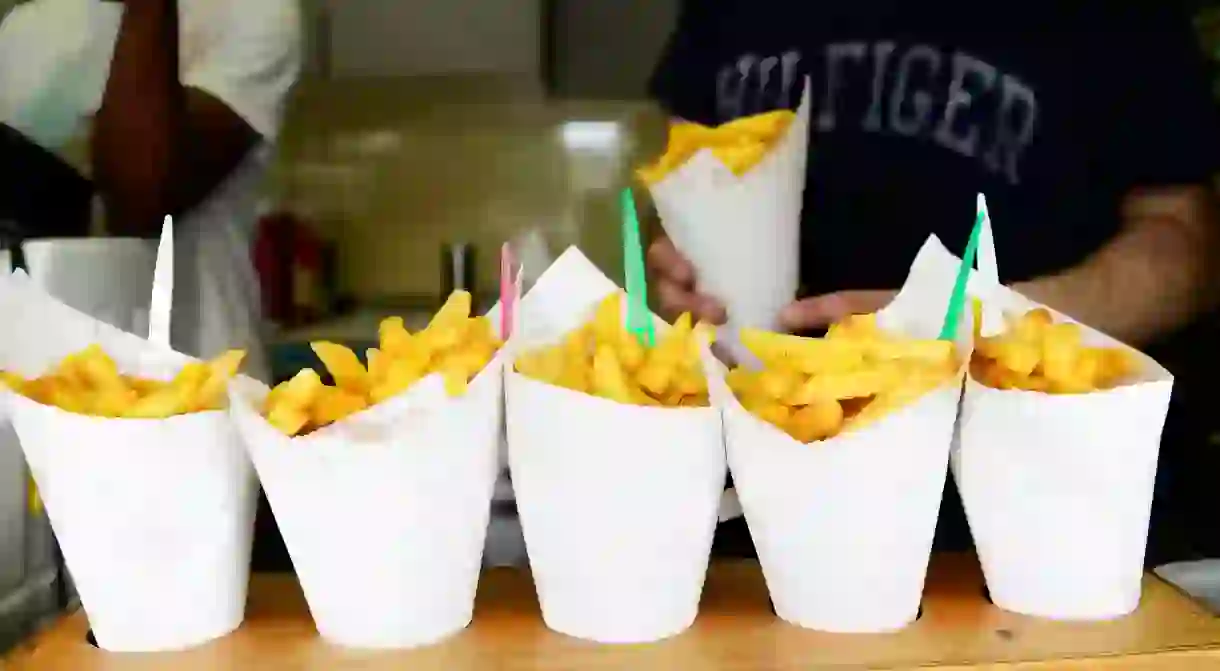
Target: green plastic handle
957, 301
639, 320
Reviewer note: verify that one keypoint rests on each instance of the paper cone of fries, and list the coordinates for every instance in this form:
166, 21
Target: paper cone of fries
742, 233
154, 516
385, 512
844, 526
618, 502
1058, 487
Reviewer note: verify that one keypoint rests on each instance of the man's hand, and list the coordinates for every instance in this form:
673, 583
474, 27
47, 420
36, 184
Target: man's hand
676, 286
820, 312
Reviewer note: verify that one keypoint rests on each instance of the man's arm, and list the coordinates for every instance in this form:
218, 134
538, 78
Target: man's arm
1157, 148
159, 147
1154, 277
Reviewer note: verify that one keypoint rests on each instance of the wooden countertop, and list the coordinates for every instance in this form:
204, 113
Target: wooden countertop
959, 629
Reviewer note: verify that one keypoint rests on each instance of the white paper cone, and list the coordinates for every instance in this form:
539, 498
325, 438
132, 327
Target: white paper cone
385, 514
618, 503
154, 516
742, 234
1058, 488
69, 271
844, 527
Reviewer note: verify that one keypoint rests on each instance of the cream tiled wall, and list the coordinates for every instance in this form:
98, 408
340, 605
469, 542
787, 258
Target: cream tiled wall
393, 169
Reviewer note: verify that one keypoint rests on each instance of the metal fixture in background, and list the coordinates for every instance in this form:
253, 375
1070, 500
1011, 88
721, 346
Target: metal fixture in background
457, 268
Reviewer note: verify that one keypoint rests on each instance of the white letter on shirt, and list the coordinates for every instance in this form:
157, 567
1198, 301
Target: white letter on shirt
1015, 126
965, 67
921, 100
881, 61
790, 60
731, 87
835, 55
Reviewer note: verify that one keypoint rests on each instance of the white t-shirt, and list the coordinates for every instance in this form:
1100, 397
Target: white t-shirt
245, 53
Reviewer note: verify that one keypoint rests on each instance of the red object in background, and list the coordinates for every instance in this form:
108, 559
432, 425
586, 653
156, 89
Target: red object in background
290, 260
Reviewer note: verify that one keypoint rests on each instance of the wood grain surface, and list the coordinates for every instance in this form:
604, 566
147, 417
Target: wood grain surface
736, 630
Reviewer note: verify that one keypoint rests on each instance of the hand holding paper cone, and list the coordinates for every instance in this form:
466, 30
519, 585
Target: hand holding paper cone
603, 359
814, 389
730, 200
454, 344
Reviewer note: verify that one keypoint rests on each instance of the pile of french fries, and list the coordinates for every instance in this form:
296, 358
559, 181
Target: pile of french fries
603, 359
454, 344
740, 144
89, 383
1036, 354
819, 388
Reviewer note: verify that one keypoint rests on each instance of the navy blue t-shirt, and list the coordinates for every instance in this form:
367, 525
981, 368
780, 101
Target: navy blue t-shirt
1053, 109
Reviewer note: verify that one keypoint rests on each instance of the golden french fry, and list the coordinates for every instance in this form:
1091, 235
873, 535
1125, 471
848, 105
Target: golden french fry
378, 365
161, 404
211, 390
113, 402
334, 404
300, 391
740, 144
601, 358
287, 419
814, 389
816, 421
89, 382
450, 324
454, 345
1036, 354
12, 381
810, 356
394, 337
610, 380
344, 366
766, 126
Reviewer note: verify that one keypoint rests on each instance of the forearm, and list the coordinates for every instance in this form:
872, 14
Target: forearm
138, 125
1150, 280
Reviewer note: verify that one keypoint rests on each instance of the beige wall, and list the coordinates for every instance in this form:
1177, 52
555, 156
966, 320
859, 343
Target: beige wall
394, 168
608, 48
427, 37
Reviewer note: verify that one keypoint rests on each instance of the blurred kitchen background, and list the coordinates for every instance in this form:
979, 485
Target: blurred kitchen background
421, 129
425, 124
430, 123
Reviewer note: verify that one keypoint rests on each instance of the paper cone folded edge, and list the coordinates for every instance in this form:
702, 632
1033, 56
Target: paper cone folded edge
697, 164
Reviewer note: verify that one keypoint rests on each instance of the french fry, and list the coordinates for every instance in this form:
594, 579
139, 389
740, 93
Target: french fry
818, 388
455, 345
740, 144
1037, 354
89, 383
603, 359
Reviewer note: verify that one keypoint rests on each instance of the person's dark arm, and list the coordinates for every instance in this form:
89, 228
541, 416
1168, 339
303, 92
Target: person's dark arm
1154, 278
162, 145
1162, 150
